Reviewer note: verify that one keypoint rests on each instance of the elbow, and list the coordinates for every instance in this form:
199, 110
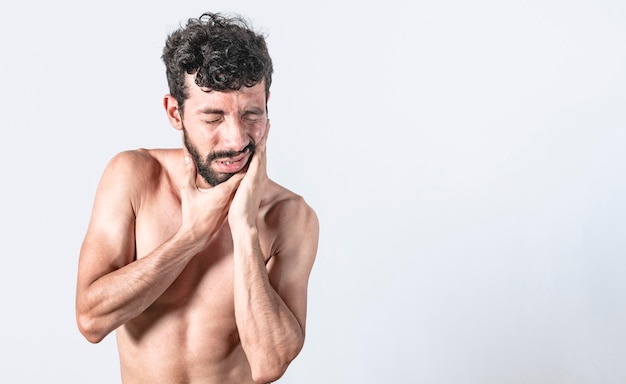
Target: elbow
271, 367
268, 374
88, 327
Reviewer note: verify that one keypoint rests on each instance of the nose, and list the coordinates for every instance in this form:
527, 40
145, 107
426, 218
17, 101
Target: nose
234, 135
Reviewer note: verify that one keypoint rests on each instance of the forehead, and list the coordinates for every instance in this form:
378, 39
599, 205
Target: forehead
198, 97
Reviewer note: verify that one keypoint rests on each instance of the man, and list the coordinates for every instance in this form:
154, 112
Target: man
194, 257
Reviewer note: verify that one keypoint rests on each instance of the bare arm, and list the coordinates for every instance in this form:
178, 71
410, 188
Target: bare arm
111, 287
270, 309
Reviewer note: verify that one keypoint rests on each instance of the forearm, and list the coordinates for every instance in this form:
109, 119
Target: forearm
123, 294
270, 334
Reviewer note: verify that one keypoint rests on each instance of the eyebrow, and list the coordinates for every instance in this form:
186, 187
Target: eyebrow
215, 111
254, 111
211, 111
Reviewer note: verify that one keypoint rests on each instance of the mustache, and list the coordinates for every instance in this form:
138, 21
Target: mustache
251, 147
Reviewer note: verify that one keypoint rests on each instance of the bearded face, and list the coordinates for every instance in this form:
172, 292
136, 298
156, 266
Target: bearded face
205, 165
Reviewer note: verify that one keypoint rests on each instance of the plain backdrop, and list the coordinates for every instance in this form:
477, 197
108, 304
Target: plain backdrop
466, 160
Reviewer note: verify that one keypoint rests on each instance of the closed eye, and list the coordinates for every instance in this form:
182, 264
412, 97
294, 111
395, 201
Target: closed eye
213, 118
254, 116
213, 121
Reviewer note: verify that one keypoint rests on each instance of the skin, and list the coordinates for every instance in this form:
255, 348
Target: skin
201, 284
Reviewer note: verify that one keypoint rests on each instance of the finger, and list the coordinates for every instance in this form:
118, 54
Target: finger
190, 169
261, 145
263, 140
258, 162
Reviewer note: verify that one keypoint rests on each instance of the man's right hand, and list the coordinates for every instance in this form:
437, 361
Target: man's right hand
204, 210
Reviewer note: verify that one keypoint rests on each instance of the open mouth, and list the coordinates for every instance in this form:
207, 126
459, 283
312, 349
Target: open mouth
232, 164
235, 159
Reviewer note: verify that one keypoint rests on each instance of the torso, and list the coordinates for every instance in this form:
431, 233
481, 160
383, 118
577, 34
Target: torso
188, 335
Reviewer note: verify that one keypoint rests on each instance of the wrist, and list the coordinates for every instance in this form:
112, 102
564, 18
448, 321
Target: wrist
245, 238
190, 239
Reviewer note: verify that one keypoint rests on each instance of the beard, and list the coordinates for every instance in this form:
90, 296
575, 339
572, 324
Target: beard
203, 166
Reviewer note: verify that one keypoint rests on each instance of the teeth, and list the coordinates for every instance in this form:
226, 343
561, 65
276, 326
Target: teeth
228, 162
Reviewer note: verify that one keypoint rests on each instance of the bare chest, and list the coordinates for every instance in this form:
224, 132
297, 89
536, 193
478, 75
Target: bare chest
207, 280
205, 285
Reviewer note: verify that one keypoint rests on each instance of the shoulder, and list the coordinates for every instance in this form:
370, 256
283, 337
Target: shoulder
293, 220
133, 173
133, 161
285, 207
138, 166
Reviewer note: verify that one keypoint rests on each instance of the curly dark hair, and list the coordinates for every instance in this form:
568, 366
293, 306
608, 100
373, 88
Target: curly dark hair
223, 52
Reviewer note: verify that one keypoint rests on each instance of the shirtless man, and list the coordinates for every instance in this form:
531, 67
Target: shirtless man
196, 259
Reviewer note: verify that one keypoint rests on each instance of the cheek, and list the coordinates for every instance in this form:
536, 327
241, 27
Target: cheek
204, 138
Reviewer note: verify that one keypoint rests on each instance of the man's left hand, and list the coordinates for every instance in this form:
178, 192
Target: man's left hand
245, 205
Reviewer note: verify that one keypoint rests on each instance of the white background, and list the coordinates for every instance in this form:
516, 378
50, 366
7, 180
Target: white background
466, 160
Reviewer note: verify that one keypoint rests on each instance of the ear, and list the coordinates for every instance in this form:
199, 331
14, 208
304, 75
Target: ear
173, 112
